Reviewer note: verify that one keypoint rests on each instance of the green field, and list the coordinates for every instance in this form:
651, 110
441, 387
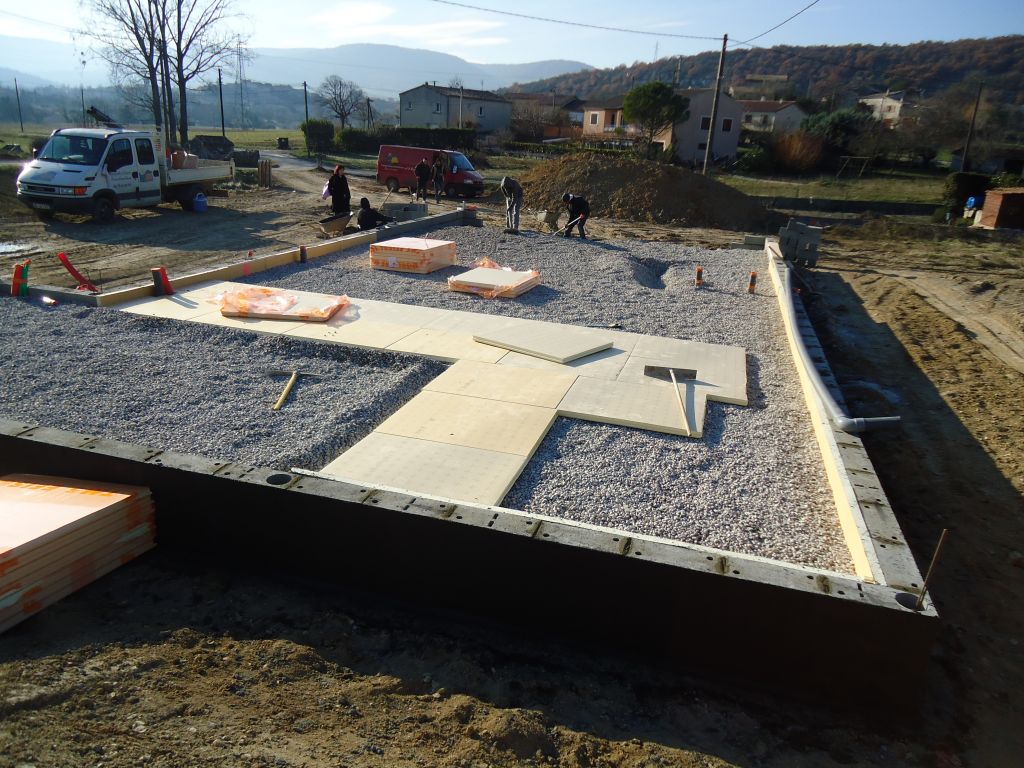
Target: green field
896, 187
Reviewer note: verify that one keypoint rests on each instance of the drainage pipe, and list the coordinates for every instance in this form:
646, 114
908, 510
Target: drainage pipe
835, 412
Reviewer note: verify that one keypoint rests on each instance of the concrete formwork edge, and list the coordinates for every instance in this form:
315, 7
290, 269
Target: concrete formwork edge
877, 545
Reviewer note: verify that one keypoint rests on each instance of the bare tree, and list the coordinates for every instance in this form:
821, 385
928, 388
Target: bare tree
340, 97
129, 41
200, 44
159, 40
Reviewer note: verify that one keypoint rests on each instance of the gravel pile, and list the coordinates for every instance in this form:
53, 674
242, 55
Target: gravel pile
754, 483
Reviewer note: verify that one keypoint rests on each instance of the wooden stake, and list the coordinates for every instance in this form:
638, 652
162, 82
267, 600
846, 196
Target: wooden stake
931, 568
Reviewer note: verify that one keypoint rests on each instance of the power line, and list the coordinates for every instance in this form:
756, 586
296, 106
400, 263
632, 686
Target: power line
783, 22
38, 21
575, 23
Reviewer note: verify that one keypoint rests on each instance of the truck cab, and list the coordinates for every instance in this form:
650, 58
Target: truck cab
99, 170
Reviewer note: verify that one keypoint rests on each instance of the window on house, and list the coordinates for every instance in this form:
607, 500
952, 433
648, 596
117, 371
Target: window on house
748, 118
727, 125
437, 107
408, 104
612, 121
702, 146
593, 118
705, 122
480, 112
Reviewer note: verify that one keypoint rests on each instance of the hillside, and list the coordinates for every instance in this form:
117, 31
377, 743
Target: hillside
823, 71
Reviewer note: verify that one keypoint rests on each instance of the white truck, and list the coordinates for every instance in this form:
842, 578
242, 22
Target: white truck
98, 170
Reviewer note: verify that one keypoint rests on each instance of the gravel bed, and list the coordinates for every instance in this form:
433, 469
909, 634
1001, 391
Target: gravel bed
195, 388
753, 484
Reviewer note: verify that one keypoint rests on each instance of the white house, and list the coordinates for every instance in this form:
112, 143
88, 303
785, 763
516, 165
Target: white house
889, 107
438, 106
772, 116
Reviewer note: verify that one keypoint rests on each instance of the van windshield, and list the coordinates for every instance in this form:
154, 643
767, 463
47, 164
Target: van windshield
73, 150
460, 162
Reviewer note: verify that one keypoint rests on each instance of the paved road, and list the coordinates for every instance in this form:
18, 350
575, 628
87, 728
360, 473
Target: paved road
286, 160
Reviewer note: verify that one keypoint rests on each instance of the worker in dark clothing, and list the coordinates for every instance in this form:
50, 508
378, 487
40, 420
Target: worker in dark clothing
368, 217
513, 192
437, 175
579, 210
337, 187
422, 171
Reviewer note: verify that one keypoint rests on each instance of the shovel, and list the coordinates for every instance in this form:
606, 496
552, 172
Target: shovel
566, 227
293, 376
674, 375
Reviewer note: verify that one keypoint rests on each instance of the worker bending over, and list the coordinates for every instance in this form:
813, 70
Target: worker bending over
579, 210
368, 217
513, 192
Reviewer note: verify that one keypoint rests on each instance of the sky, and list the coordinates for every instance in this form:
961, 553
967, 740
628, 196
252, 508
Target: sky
480, 36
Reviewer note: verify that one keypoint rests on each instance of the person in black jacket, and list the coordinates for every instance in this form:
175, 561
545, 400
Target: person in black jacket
579, 210
422, 171
368, 217
437, 174
337, 186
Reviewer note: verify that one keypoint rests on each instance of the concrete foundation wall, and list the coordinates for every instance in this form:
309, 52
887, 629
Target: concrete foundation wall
785, 629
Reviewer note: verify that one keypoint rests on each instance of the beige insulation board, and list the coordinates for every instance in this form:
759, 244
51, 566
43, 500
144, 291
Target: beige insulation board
503, 383
133, 524
30, 598
58, 534
474, 422
412, 254
722, 369
448, 346
359, 333
633, 405
494, 282
548, 341
182, 305
428, 467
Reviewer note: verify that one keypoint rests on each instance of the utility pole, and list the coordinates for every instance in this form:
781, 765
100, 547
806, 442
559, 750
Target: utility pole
81, 90
305, 100
708, 151
17, 95
679, 63
241, 85
461, 89
964, 166
220, 88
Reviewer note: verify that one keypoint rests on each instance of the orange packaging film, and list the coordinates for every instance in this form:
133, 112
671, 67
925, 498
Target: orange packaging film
275, 304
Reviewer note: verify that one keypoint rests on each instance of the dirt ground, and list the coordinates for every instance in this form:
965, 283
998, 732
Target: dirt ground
165, 663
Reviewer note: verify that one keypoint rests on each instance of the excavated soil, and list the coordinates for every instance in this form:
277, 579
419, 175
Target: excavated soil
632, 189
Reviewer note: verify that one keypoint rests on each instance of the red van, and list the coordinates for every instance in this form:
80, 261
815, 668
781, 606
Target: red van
396, 168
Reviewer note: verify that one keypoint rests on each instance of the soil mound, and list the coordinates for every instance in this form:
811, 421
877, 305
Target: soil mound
641, 190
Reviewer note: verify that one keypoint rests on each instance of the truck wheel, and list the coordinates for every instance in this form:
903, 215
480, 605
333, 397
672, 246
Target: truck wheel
392, 184
450, 191
103, 210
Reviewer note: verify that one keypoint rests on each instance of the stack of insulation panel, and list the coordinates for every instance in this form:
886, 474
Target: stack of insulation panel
412, 254
495, 283
58, 535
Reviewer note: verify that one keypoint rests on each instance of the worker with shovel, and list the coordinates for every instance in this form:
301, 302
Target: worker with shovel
579, 210
513, 192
